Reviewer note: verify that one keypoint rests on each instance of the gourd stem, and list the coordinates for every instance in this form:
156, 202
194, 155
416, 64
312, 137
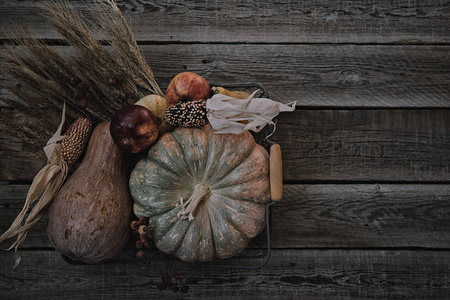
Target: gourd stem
189, 207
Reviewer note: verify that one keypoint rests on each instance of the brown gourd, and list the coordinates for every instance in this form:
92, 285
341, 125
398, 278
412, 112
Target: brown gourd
89, 218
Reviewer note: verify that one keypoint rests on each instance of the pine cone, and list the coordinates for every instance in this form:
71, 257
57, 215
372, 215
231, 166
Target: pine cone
75, 142
187, 114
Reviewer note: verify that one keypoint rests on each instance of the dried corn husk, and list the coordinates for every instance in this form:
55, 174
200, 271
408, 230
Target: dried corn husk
43, 189
232, 115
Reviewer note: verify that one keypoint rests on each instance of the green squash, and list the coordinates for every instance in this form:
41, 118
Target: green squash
205, 194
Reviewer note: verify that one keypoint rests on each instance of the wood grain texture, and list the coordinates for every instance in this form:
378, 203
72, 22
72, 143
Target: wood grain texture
315, 75
365, 145
319, 75
366, 155
12, 200
323, 216
301, 274
330, 145
261, 22
363, 215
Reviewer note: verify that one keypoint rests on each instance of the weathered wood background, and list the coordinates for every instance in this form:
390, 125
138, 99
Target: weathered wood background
366, 208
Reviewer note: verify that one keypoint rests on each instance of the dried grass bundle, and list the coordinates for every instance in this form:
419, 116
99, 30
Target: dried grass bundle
101, 71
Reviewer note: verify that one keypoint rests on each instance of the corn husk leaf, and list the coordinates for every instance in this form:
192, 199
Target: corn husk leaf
231, 115
43, 190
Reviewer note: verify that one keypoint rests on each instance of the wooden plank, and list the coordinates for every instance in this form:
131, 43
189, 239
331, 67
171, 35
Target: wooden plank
20, 161
319, 75
262, 22
365, 145
299, 274
316, 75
322, 216
12, 200
362, 215
330, 145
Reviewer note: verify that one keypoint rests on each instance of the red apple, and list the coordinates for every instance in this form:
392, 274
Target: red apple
187, 86
134, 128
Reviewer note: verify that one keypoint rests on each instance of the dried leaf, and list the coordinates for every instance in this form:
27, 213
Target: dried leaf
43, 189
231, 115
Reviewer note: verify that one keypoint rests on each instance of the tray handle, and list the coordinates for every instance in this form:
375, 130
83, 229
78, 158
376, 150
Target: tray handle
276, 173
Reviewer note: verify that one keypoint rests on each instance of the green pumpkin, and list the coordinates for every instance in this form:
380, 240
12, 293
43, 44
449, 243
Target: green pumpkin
205, 194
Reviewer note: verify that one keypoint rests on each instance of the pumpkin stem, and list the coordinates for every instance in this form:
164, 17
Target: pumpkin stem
201, 192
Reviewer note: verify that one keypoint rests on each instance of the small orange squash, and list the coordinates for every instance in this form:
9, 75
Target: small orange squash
205, 194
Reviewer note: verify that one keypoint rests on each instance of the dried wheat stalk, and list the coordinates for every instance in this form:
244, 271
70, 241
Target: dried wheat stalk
92, 79
120, 37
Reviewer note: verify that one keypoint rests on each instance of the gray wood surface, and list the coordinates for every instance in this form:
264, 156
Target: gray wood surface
319, 75
363, 216
381, 22
290, 274
322, 216
326, 145
366, 154
332, 76
365, 145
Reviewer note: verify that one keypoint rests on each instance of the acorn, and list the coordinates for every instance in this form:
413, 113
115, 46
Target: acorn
77, 137
187, 114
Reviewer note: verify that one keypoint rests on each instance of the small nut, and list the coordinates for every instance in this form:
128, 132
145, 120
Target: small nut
143, 229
